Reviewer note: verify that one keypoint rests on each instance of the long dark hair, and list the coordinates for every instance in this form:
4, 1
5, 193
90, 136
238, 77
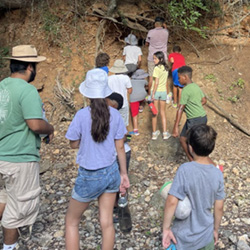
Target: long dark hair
161, 57
100, 119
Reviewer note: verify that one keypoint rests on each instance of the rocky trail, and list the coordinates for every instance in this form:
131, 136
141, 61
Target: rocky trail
148, 171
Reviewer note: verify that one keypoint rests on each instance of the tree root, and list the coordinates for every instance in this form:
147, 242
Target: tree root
228, 117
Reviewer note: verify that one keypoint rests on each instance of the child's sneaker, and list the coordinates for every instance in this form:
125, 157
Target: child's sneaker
174, 105
166, 135
135, 132
141, 109
155, 134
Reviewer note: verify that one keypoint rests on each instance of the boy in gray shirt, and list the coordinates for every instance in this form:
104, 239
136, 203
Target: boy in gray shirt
203, 183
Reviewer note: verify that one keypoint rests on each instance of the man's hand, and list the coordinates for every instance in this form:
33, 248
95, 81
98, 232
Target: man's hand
175, 132
167, 237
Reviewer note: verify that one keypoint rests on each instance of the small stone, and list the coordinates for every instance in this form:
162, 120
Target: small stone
58, 234
56, 152
235, 171
147, 199
246, 220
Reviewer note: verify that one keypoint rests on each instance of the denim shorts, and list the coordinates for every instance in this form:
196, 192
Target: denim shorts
160, 95
90, 184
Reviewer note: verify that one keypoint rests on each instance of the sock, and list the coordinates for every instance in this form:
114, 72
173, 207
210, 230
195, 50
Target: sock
9, 247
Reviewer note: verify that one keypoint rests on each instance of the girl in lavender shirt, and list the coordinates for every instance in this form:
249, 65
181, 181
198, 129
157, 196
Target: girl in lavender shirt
97, 130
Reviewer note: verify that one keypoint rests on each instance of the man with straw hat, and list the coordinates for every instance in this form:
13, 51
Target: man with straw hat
21, 122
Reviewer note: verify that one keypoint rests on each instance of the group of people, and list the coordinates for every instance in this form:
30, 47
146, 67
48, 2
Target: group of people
99, 133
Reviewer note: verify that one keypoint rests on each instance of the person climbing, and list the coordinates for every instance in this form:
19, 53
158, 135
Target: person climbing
177, 60
98, 131
159, 92
132, 54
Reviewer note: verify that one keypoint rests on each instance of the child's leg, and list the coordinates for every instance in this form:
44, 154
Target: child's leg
183, 141
106, 205
134, 107
135, 122
163, 115
154, 117
179, 94
175, 91
72, 220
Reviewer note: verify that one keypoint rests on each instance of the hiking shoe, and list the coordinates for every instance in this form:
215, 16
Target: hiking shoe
155, 134
174, 105
166, 135
135, 132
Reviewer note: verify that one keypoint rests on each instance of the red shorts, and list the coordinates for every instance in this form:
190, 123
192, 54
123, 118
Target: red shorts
134, 107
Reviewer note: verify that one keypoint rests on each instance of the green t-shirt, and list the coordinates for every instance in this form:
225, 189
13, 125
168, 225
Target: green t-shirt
191, 96
161, 73
19, 101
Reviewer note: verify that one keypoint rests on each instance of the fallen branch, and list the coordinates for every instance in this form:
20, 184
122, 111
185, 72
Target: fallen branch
227, 116
65, 95
229, 26
224, 58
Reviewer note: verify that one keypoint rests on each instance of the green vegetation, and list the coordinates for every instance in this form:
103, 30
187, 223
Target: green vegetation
51, 26
188, 14
211, 77
236, 87
239, 83
234, 98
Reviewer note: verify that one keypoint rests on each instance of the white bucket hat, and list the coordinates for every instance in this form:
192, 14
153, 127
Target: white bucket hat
95, 84
25, 53
131, 39
118, 67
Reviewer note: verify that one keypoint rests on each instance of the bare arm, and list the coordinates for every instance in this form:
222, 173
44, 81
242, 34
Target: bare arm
203, 100
218, 213
155, 87
119, 144
170, 207
129, 90
177, 120
124, 58
40, 126
139, 61
74, 144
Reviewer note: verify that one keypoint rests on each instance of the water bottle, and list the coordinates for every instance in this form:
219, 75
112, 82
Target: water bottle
124, 216
151, 105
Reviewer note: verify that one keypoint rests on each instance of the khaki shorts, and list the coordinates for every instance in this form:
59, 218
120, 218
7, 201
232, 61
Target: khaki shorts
19, 190
151, 66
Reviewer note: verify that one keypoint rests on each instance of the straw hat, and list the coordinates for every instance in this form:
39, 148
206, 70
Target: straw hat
131, 39
26, 53
95, 84
118, 67
139, 74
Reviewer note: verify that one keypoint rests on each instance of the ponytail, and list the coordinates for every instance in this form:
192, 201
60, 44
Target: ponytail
100, 119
